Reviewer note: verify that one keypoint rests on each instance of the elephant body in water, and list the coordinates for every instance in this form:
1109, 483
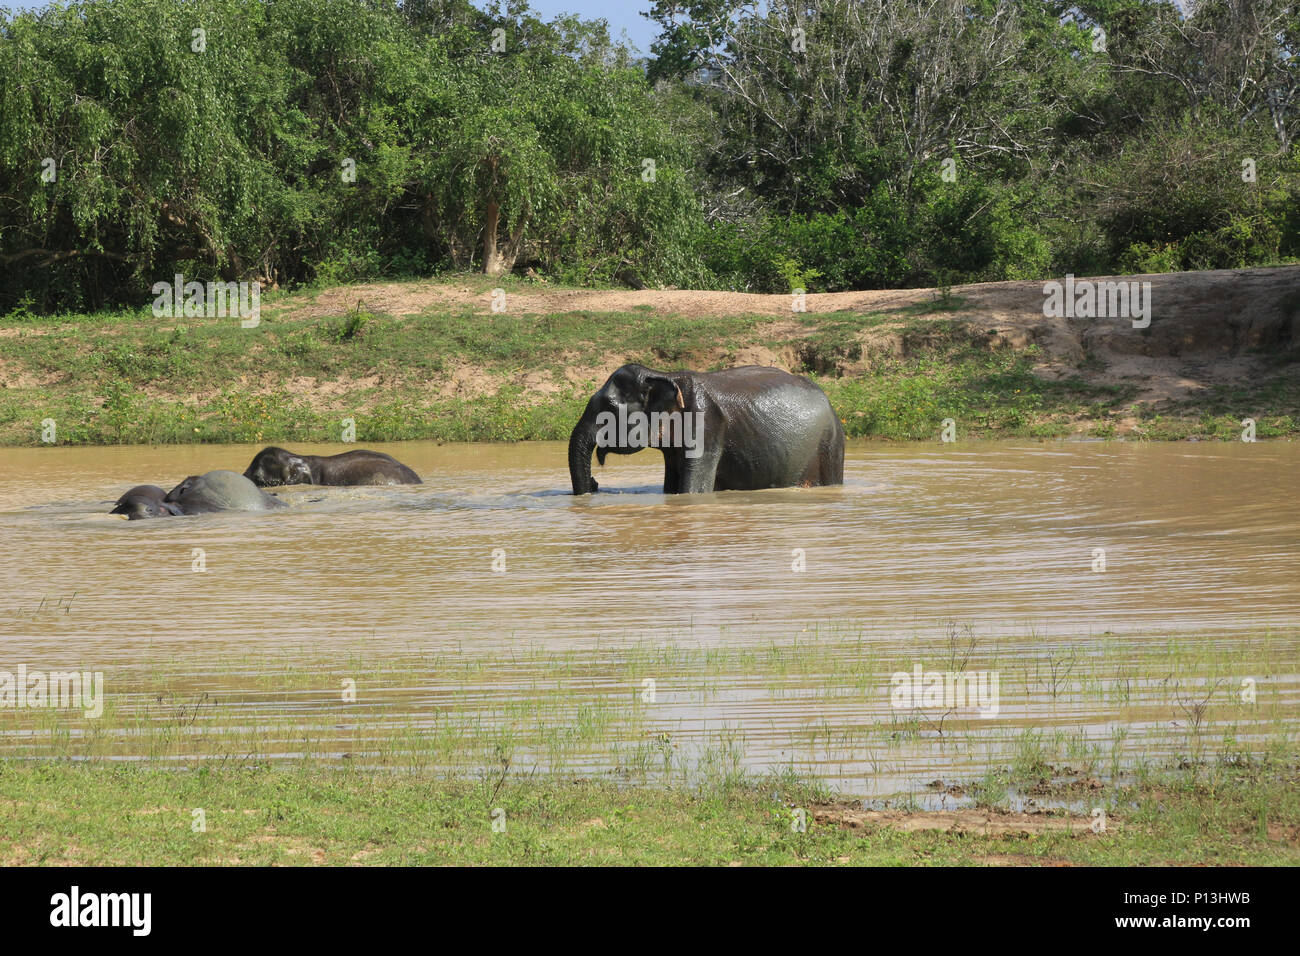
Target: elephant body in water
276, 466
197, 494
145, 501
737, 429
220, 491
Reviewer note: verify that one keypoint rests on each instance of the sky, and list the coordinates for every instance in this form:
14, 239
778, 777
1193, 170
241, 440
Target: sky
621, 15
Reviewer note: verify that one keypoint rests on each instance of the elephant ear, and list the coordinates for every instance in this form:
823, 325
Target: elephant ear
184, 486
296, 472
662, 394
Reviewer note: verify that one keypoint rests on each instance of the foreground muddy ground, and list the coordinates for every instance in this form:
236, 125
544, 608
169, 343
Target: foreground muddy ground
61, 814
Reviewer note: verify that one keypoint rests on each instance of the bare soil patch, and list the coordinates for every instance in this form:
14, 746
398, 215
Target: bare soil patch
977, 822
1207, 328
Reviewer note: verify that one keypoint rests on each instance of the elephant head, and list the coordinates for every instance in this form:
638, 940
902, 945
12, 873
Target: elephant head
145, 501
276, 466
633, 388
175, 494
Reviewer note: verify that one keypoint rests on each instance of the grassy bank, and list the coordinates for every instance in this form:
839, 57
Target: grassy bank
457, 373
69, 814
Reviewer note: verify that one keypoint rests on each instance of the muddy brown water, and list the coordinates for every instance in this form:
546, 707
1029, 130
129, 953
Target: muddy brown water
1001, 538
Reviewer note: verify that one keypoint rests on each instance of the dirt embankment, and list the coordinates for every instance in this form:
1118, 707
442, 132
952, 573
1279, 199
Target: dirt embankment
1205, 328
1219, 347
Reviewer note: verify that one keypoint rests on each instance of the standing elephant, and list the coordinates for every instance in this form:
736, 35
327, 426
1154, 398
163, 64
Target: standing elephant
740, 429
145, 501
220, 491
275, 466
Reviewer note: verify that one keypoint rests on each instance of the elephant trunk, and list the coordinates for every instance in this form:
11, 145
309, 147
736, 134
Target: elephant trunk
581, 444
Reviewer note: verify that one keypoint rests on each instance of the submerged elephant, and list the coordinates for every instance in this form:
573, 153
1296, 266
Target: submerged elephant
738, 429
145, 501
275, 466
220, 491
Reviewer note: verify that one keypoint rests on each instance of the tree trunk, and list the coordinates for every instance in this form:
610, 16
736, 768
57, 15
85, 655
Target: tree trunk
492, 264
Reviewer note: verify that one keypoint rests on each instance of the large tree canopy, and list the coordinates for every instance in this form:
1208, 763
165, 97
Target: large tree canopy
824, 143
